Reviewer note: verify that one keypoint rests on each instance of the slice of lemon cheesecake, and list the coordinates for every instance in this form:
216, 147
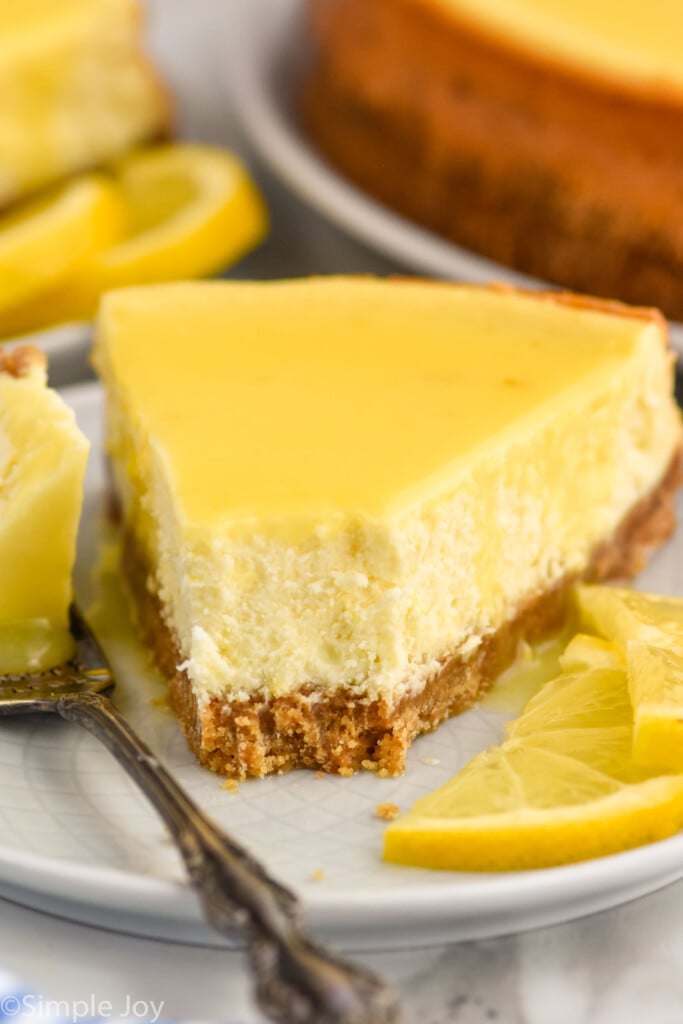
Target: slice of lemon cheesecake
346, 500
42, 464
76, 88
545, 134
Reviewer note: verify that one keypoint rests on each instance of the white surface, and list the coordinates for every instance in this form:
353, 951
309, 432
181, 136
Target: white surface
111, 862
263, 80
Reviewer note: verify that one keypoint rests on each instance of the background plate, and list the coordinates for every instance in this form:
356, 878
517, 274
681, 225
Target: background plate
78, 839
263, 84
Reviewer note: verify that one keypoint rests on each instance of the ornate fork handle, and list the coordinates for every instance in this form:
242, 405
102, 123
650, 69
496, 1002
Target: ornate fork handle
297, 982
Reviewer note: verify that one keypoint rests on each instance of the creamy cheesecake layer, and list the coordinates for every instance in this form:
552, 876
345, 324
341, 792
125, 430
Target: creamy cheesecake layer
42, 464
76, 89
343, 483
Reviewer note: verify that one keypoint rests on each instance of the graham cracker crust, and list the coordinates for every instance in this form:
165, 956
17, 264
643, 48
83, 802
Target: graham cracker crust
341, 732
564, 177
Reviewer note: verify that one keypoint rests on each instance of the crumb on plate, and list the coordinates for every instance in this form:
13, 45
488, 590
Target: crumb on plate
387, 811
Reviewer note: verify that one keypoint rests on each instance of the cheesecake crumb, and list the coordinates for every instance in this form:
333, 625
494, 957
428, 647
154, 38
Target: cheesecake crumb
387, 811
320, 775
318, 875
370, 766
231, 785
431, 762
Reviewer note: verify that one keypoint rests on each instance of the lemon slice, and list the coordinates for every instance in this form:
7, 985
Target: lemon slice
655, 681
192, 211
585, 651
621, 615
562, 787
649, 630
53, 238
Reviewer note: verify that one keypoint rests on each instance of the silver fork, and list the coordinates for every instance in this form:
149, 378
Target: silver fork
297, 981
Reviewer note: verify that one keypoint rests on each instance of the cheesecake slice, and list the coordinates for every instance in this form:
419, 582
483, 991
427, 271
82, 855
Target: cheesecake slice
545, 134
42, 463
76, 89
346, 501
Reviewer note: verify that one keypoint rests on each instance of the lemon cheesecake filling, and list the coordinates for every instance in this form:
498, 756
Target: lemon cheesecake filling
337, 485
77, 90
42, 464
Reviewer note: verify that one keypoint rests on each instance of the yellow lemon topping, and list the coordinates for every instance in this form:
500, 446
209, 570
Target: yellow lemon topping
355, 396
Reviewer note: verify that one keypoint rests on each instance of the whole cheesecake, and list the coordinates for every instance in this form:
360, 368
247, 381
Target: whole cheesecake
77, 89
346, 501
43, 457
544, 134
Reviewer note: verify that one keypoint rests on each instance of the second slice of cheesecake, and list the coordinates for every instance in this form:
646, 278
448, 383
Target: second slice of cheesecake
345, 501
77, 89
43, 457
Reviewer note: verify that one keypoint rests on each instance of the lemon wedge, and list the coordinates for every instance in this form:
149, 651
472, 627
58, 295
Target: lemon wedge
649, 631
192, 211
562, 787
621, 615
51, 239
585, 651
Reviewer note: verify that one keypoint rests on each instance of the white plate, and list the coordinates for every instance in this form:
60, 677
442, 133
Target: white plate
78, 839
263, 83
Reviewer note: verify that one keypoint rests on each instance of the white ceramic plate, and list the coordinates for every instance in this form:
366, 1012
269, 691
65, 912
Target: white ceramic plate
263, 82
77, 838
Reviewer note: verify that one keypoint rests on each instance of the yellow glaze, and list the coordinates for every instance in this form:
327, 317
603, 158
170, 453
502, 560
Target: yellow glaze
345, 481
76, 89
42, 463
634, 43
333, 398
